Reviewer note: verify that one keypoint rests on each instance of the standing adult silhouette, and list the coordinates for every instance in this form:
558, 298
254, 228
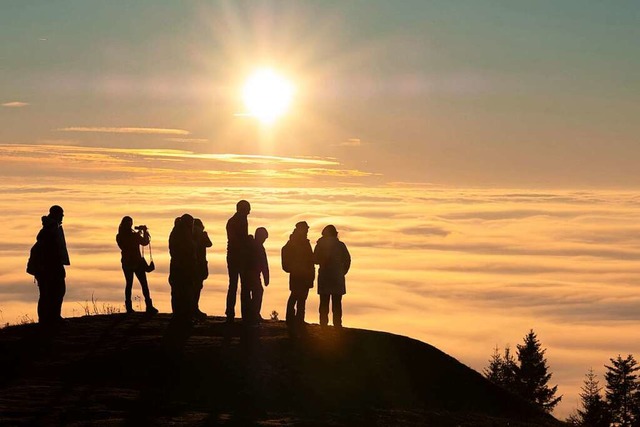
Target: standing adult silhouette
202, 242
182, 268
297, 260
238, 252
53, 256
334, 260
129, 242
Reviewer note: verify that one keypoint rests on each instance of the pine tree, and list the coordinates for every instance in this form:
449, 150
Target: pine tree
594, 410
533, 375
502, 370
493, 372
510, 371
623, 391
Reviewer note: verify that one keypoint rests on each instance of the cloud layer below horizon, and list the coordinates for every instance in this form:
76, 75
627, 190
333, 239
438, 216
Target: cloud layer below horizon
464, 270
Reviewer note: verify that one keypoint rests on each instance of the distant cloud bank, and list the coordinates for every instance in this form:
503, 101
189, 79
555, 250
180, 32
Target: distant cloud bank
15, 104
133, 130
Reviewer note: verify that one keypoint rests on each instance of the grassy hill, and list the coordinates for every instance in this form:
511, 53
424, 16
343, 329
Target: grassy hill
138, 370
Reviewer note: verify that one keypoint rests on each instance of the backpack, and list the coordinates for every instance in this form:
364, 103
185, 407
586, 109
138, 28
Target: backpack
34, 264
286, 258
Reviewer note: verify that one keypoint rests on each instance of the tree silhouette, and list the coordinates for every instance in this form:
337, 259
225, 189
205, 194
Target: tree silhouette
623, 391
502, 369
533, 376
594, 411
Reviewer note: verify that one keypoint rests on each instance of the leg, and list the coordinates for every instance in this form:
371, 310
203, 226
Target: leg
324, 309
291, 304
301, 303
336, 307
246, 301
257, 294
44, 297
234, 272
128, 283
142, 278
60, 291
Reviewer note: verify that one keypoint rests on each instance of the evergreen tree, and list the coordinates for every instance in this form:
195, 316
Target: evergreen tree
510, 371
502, 370
623, 391
533, 376
493, 372
594, 410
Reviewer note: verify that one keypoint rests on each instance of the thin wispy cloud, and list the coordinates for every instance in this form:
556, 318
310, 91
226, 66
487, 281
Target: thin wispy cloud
351, 142
125, 130
188, 140
166, 165
15, 104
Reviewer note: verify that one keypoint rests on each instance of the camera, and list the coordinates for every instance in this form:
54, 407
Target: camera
140, 227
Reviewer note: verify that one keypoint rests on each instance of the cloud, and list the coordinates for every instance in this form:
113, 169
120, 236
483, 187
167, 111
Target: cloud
351, 142
15, 104
188, 140
131, 130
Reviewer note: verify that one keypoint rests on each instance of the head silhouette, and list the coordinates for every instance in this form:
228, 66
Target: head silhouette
198, 225
243, 207
302, 228
329, 231
56, 213
261, 234
126, 224
186, 222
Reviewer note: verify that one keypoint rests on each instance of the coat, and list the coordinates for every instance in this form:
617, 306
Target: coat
53, 249
129, 242
297, 260
202, 242
334, 260
182, 267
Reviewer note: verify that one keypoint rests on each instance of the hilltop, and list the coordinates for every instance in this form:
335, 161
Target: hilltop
137, 370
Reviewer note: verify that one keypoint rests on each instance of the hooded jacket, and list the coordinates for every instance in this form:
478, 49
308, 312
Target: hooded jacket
53, 247
297, 259
334, 260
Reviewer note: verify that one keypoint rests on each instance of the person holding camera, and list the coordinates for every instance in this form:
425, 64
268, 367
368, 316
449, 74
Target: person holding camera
129, 242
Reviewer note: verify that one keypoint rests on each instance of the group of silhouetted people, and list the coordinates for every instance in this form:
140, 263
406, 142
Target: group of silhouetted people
247, 266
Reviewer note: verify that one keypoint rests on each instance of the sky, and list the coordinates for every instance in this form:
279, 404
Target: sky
479, 158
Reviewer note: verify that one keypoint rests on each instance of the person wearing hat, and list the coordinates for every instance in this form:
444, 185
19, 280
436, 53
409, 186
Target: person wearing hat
297, 260
334, 261
53, 256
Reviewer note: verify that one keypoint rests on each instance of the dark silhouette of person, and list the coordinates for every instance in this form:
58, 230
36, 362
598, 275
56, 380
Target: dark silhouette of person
297, 260
182, 268
129, 242
238, 248
51, 275
202, 242
334, 261
258, 265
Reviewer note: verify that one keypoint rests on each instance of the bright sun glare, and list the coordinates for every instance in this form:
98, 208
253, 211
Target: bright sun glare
267, 95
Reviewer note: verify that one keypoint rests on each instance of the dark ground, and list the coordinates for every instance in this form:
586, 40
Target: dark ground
137, 370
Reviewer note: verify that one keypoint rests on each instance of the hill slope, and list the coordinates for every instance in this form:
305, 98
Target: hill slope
137, 370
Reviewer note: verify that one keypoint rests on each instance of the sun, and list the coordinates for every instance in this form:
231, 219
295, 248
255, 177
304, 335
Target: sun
267, 95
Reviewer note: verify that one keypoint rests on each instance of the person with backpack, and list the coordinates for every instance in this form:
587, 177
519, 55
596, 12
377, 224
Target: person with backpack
334, 260
297, 260
47, 260
129, 242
